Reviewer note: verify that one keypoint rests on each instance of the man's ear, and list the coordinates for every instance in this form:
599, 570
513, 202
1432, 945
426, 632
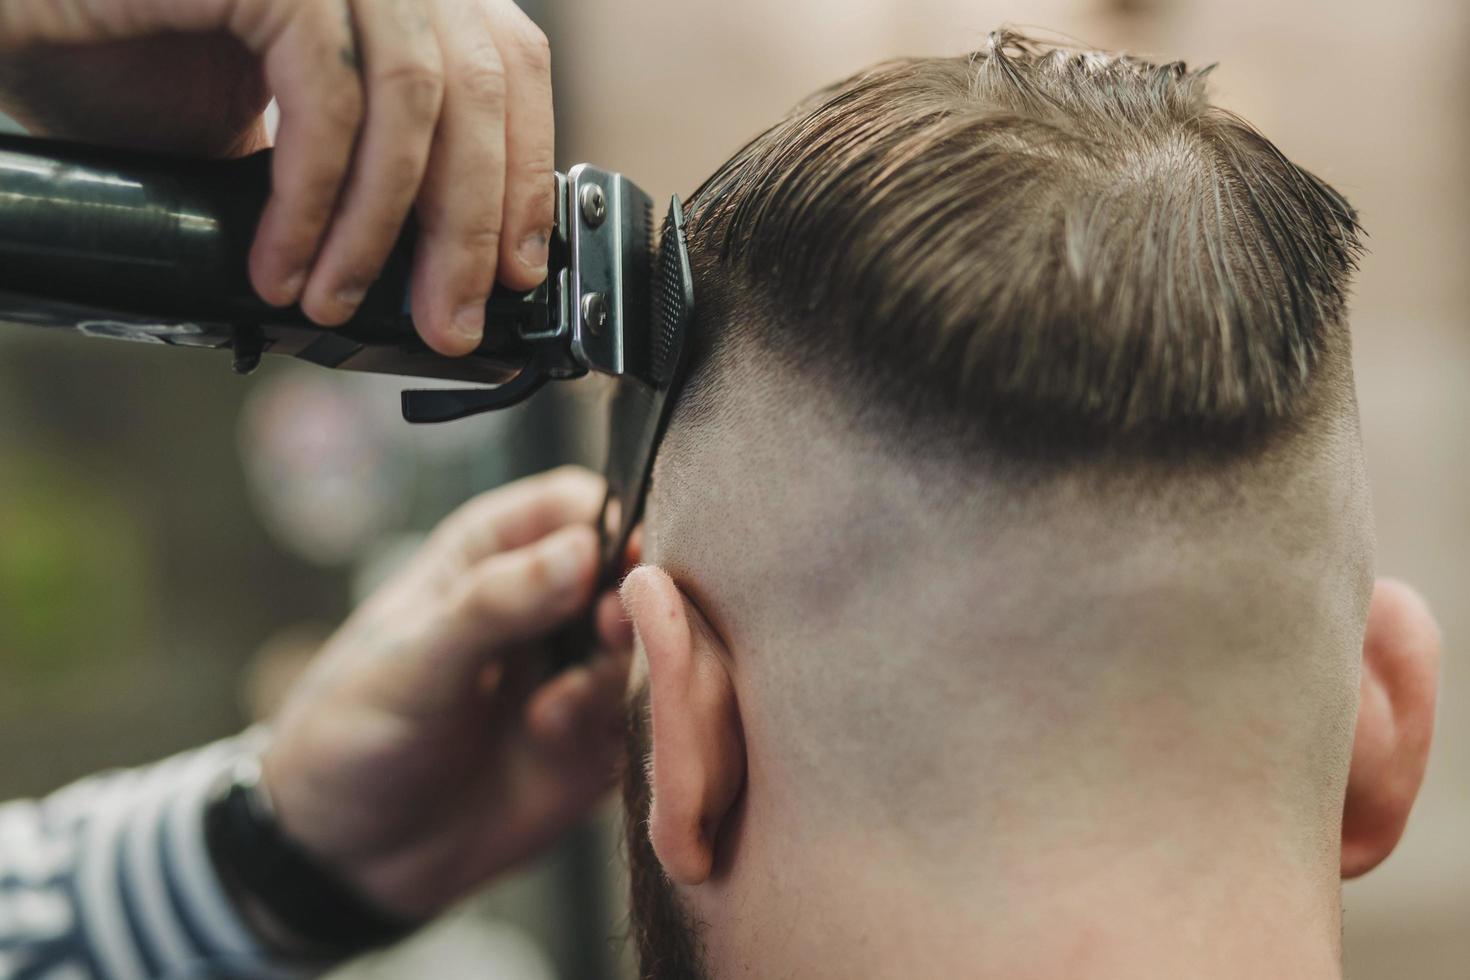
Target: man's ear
698, 747
1395, 720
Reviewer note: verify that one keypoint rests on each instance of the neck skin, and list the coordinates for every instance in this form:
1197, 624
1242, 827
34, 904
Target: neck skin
1080, 797
1125, 890
1161, 802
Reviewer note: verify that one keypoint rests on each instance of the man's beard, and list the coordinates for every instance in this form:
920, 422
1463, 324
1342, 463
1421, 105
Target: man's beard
669, 946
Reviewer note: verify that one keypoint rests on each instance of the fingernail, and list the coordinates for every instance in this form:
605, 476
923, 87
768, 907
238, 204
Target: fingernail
293, 286
535, 251
469, 322
566, 563
351, 296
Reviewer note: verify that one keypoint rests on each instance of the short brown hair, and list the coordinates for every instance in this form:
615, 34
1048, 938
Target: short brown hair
1064, 248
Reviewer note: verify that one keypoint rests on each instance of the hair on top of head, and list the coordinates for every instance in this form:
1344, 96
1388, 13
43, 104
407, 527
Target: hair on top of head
1059, 248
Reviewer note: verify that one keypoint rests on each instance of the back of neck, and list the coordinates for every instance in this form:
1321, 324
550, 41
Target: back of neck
855, 908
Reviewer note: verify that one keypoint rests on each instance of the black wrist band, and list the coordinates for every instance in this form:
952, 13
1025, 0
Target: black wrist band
307, 899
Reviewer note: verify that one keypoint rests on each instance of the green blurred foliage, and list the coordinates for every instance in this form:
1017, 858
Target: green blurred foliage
76, 579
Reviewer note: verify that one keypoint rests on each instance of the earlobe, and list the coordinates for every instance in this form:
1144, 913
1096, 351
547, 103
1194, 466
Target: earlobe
1400, 679
698, 749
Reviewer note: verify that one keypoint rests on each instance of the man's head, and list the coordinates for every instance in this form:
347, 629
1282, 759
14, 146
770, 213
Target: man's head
1013, 515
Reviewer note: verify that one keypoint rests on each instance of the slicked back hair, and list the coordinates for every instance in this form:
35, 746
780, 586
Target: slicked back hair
1061, 250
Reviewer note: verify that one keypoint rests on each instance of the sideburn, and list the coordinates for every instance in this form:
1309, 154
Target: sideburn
668, 942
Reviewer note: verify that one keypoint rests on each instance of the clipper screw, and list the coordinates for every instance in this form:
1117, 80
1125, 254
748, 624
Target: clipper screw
594, 205
594, 312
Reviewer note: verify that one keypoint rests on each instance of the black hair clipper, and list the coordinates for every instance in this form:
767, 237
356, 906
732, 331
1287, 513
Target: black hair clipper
134, 246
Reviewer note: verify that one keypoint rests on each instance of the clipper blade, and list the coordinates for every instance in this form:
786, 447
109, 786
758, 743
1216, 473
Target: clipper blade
645, 400
673, 301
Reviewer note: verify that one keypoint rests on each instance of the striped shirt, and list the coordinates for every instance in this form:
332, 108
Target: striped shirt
109, 879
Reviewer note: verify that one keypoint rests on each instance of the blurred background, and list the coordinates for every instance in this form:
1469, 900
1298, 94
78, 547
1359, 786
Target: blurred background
175, 541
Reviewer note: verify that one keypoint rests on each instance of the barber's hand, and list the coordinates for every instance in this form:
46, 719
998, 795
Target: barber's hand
418, 756
385, 105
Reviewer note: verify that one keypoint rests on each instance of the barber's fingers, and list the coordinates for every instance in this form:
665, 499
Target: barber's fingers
311, 63
486, 200
580, 713
517, 514
530, 146
614, 627
27, 22
403, 79
583, 707
461, 204
310, 58
516, 597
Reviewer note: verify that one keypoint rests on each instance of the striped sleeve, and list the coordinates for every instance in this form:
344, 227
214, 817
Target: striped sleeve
109, 879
